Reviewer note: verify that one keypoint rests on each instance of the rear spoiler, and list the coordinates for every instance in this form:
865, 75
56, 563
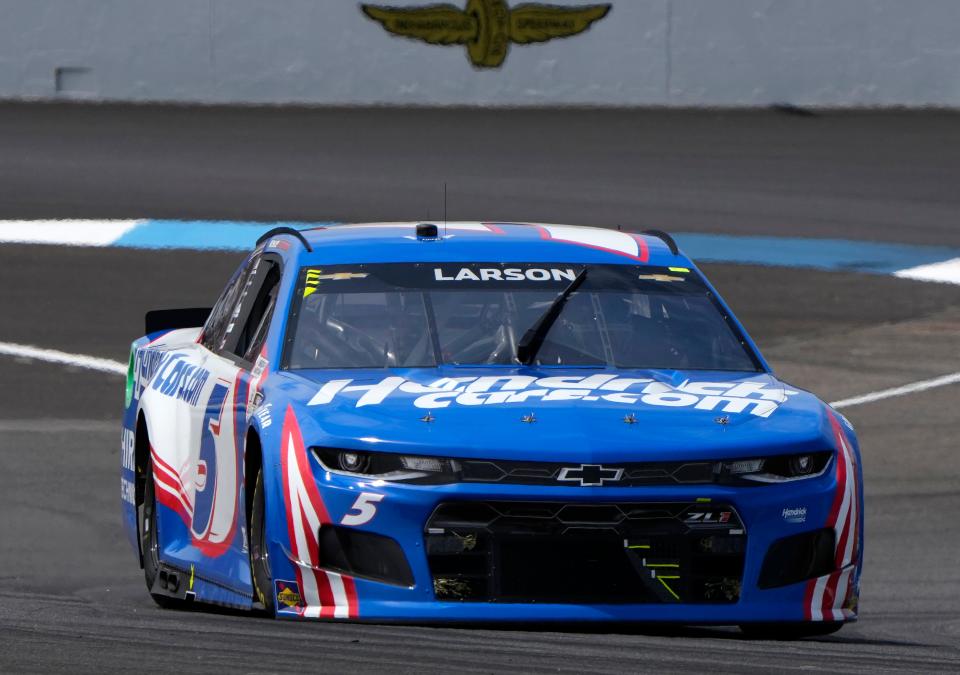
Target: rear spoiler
171, 319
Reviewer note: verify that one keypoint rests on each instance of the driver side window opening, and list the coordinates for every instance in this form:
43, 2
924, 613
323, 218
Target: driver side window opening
252, 321
238, 324
255, 332
216, 328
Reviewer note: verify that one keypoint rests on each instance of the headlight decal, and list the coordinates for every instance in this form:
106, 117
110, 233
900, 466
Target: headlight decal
774, 469
432, 470
388, 466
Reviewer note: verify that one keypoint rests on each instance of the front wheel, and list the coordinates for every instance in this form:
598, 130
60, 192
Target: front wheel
149, 539
790, 631
259, 551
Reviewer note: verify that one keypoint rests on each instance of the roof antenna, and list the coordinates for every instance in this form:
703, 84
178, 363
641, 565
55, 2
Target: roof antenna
444, 209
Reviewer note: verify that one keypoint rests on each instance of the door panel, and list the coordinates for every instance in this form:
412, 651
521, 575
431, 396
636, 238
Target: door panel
197, 444
205, 530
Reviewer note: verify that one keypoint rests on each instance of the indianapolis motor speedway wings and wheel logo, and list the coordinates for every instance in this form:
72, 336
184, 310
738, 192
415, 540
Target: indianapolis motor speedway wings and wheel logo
486, 27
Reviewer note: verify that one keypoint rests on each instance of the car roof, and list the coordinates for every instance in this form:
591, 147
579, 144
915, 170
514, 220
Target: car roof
475, 242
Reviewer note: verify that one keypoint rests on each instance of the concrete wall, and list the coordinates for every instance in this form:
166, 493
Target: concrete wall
644, 52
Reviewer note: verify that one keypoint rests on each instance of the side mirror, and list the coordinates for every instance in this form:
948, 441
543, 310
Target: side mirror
171, 319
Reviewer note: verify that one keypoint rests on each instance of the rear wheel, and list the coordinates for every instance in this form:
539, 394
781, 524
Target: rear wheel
149, 540
259, 551
790, 631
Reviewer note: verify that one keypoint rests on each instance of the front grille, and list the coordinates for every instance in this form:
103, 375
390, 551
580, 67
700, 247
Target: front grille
598, 553
627, 474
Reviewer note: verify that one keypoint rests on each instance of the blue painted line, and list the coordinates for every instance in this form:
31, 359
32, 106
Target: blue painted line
827, 254
199, 234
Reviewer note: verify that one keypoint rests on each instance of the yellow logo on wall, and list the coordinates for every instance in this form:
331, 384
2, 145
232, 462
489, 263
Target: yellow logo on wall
486, 27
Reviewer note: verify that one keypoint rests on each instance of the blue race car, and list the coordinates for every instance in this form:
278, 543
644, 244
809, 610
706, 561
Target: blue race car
484, 422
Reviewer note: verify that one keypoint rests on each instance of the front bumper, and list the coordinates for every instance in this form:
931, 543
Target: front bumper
730, 594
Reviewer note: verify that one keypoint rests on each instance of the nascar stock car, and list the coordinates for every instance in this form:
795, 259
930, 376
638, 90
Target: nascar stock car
483, 422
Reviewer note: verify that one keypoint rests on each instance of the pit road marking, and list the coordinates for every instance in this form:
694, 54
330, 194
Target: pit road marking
56, 356
911, 388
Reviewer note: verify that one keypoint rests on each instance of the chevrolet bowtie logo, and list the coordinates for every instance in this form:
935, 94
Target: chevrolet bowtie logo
590, 474
486, 27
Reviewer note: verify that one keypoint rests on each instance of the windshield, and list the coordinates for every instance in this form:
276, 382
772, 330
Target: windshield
408, 315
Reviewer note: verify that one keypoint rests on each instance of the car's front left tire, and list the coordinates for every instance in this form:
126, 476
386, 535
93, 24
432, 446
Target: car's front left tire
260, 551
149, 539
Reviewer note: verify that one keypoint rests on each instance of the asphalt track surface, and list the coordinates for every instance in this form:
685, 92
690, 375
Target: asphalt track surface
71, 597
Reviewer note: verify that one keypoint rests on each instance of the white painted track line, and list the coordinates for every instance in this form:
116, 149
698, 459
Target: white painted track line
56, 356
65, 232
911, 388
47, 425
946, 272
117, 368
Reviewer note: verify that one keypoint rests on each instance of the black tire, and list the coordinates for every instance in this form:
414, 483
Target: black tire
149, 544
259, 551
790, 631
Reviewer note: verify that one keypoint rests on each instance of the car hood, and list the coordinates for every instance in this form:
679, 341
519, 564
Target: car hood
552, 414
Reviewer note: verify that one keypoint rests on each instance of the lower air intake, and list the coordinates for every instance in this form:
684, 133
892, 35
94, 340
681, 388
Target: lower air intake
797, 558
608, 553
364, 554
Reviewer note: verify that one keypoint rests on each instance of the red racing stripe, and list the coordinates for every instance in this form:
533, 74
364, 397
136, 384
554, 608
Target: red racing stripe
327, 600
172, 503
351, 590
853, 524
159, 462
284, 468
643, 250
165, 476
834, 597
178, 494
841, 490
329, 605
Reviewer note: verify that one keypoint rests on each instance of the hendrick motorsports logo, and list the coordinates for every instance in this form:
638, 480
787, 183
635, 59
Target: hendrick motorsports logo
486, 27
748, 396
795, 515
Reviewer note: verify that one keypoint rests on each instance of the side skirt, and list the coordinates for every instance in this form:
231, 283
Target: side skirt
188, 586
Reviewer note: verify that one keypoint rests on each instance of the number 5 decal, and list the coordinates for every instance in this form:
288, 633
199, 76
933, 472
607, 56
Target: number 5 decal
363, 510
207, 469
